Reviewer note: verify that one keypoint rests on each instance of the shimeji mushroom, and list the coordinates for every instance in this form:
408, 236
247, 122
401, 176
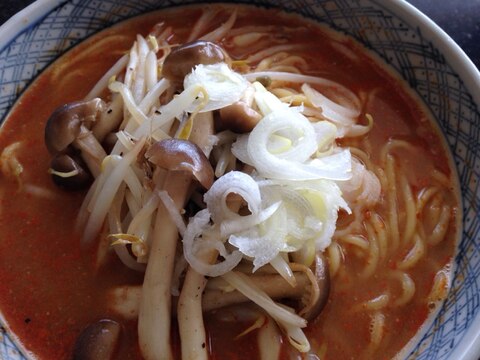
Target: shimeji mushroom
68, 171
182, 155
183, 161
68, 132
183, 59
238, 117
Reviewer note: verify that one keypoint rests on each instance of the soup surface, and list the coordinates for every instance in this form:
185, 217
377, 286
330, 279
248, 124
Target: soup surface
385, 279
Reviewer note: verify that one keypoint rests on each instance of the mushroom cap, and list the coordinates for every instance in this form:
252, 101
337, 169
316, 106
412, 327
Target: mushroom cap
64, 163
63, 126
180, 62
98, 341
182, 155
237, 117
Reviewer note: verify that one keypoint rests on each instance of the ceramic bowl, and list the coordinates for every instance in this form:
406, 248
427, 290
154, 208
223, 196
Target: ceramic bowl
412, 45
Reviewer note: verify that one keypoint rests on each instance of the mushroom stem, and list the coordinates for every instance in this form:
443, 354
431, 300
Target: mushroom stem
155, 301
217, 294
202, 130
91, 150
190, 313
154, 315
183, 160
110, 119
190, 316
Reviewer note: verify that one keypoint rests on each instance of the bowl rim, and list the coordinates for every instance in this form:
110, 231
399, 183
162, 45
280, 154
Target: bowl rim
467, 70
26, 18
453, 53
468, 348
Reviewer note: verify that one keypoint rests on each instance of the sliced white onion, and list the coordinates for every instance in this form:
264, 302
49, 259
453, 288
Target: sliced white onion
326, 133
330, 109
298, 78
265, 242
326, 199
196, 226
233, 182
266, 101
302, 224
337, 166
228, 227
364, 186
300, 132
223, 86
291, 164
240, 149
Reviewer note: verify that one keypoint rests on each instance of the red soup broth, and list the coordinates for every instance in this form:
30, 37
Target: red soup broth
50, 289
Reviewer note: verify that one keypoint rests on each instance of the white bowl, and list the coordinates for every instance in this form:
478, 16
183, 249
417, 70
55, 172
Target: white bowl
434, 66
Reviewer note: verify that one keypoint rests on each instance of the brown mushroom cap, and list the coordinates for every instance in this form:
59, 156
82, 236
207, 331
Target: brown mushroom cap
68, 164
98, 341
237, 117
180, 62
182, 155
63, 126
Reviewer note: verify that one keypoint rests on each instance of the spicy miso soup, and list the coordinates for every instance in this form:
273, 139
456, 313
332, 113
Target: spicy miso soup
222, 182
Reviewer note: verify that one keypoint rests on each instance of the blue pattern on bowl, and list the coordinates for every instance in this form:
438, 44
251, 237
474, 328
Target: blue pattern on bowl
399, 43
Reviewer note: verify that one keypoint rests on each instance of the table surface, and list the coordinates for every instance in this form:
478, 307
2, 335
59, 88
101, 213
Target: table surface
458, 18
